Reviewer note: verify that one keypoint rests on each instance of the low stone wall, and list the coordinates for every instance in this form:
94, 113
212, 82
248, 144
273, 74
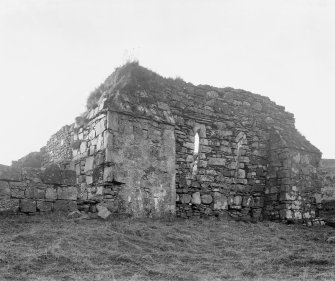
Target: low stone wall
37, 190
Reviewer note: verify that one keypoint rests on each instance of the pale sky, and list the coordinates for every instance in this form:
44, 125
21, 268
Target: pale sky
54, 53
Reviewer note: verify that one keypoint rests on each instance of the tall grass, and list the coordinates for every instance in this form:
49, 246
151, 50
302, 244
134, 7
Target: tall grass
54, 248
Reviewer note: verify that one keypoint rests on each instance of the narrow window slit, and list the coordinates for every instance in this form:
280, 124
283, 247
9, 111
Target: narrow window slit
196, 153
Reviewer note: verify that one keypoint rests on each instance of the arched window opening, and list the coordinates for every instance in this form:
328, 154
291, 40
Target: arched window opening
196, 153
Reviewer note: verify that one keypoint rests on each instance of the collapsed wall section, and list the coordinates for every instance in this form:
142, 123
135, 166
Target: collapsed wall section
58, 149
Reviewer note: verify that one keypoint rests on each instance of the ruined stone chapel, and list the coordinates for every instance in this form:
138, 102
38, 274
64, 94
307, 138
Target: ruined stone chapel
148, 146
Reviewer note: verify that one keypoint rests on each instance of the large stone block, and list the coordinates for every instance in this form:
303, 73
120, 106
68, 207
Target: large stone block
83, 147
108, 174
69, 177
52, 174
4, 189
100, 126
217, 161
185, 198
220, 201
44, 206
17, 193
238, 200
241, 173
28, 206
206, 199
9, 205
51, 193
196, 199
112, 205
67, 192
103, 211
112, 121
65, 206
34, 193
89, 164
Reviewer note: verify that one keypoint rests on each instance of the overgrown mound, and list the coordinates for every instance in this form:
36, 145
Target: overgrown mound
130, 77
32, 160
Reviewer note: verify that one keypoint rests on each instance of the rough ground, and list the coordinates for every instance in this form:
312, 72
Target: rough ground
54, 248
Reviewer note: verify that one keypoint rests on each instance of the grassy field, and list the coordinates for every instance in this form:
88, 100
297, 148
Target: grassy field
55, 248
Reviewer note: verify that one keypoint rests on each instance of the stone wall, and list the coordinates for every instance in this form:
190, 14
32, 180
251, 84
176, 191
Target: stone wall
58, 148
293, 189
327, 175
240, 168
123, 162
29, 190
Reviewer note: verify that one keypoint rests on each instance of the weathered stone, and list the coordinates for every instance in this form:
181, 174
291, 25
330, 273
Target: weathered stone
44, 206
196, 199
220, 201
100, 190
64, 206
108, 175
89, 164
28, 206
51, 193
4, 189
100, 126
205, 178
52, 174
216, 161
241, 174
103, 212
68, 177
89, 179
74, 215
83, 147
34, 193
17, 193
185, 198
112, 205
67, 193
247, 201
224, 133
238, 200
8, 205
206, 199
